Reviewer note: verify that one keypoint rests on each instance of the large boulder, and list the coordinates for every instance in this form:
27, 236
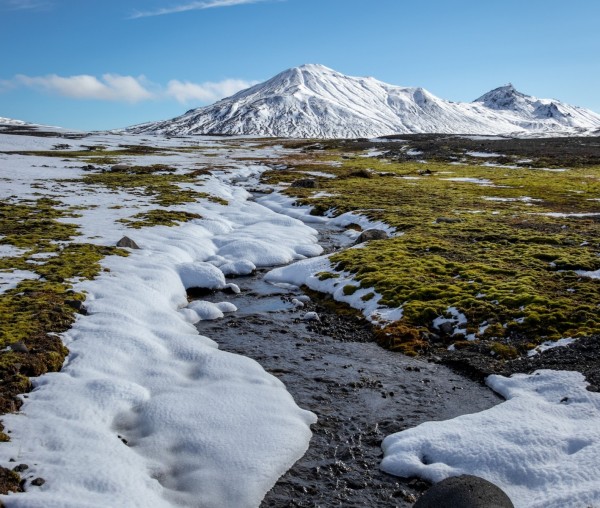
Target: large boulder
464, 491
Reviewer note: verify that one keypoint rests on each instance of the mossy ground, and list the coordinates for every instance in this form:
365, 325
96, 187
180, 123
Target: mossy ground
35, 311
159, 217
487, 248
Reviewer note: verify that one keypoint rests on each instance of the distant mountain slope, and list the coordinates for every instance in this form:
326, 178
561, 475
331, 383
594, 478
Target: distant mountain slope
313, 101
10, 121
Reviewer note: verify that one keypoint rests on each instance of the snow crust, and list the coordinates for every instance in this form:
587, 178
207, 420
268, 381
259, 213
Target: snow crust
313, 101
10, 279
307, 272
592, 275
551, 345
147, 412
541, 446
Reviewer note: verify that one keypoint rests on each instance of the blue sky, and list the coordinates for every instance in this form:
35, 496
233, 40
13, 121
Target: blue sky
99, 64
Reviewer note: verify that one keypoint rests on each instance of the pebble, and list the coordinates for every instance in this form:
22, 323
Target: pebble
311, 316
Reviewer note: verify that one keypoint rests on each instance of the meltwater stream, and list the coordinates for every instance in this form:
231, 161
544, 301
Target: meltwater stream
359, 391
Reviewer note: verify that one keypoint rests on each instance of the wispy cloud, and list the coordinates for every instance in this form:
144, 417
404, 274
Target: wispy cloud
110, 87
23, 5
194, 6
117, 88
186, 92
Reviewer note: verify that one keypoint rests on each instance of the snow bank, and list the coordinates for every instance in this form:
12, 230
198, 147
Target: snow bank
541, 446
307, 272
146, 412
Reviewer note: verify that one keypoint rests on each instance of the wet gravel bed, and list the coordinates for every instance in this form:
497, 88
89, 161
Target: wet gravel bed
359, 391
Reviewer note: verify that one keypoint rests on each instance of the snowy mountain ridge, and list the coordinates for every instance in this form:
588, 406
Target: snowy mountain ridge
10, 121
313, 101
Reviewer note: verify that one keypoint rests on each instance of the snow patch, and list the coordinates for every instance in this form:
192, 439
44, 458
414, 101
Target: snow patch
541, 446
551, 344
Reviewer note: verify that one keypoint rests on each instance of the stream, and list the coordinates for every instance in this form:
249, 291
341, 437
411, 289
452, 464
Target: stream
359, 391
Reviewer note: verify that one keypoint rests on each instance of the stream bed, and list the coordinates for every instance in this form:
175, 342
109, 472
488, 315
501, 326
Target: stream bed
359, 391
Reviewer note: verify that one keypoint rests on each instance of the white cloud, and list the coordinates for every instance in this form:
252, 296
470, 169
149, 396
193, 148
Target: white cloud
194, 6
116, 88
111, 87
186, 92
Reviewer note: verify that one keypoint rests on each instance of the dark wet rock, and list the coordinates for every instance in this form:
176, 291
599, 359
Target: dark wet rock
19, 347
76, 304
372, 234
362, 173
38, 482
464, 491
120, 167
20, 468
127, 242
305, 183
447, 328
447, 220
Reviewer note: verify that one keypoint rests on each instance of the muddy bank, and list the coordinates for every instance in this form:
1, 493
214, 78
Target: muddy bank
359, 391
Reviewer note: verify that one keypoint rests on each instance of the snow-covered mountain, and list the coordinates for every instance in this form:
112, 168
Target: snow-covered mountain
313, 101
10, 121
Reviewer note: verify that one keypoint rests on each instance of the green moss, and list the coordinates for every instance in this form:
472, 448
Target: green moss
33, 225
368, 297
36, 310
504, 351
506, 261
350, 289
157, 181
78, 260
159, 217
327, 275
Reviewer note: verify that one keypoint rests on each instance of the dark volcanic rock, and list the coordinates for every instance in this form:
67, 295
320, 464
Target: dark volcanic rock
447, 220
464, 491
372, 234
127, 242
19, 347
305, 183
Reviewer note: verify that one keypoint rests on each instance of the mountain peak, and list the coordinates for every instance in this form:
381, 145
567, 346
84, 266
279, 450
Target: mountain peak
503, 97
314, 101
313, 67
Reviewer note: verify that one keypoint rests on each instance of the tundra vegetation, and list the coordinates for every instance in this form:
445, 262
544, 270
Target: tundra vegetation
501, 245
41, 237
